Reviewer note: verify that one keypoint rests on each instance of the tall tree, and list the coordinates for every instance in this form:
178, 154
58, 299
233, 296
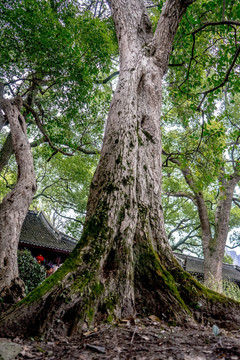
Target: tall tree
15, 204
210, 169
123, 264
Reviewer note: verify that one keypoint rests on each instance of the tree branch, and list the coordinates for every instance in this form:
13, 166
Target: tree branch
232, 247
6, 151
168, 22
182, 194
236, 202
224, 80
185, 171
182, 241
69, 218
178, 227
39, 124
108, 78
216, 23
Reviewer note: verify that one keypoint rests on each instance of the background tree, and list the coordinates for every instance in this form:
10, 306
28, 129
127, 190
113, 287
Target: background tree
203, 77
210, 173
15, 204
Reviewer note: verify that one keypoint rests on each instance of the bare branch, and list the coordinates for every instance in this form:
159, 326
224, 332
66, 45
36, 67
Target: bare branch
68, 217
223, 10
182, 194
236, 201
152, 6
190, 62
178, 227
232, 247
175, 65
108, 78
216, 23
182, 241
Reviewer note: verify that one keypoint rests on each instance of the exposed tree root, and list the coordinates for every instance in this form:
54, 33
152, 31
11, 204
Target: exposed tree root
73, 300
12, 294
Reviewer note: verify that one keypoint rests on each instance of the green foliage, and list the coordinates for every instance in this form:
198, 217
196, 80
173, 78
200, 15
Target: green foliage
30, 271
55, 54
227, 259
205, 56
231, 290
63, 187
228, 288
206, 142
210, 155
53, 39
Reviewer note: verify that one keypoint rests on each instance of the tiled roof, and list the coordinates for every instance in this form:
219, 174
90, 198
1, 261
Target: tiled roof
38, 231
195, 265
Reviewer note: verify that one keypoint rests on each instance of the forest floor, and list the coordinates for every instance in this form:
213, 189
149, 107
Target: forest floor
146, 339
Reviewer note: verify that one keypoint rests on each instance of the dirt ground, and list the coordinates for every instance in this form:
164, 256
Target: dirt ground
145, 339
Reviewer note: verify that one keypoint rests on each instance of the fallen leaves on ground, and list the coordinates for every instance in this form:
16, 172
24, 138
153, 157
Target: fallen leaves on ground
145, 339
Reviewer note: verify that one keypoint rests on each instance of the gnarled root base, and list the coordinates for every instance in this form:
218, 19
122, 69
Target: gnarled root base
12, 294
77, 297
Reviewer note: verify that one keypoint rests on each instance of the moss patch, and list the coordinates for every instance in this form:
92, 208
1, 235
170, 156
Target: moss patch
156, 278
195, 295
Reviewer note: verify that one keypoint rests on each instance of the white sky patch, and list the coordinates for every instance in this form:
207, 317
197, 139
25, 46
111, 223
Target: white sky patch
237, 249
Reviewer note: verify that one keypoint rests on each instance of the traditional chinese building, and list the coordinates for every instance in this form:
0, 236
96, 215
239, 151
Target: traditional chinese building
41, 238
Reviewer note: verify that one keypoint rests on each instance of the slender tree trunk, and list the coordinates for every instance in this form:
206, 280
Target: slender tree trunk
213, 261
213, 242
214, 246
14, 206
123, 265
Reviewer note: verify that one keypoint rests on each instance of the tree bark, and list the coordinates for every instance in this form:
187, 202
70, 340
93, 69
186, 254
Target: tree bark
14, 206
123, 265
214, 246
6, 152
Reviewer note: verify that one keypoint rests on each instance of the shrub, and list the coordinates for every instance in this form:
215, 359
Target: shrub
228, 288
30, 271
231, 290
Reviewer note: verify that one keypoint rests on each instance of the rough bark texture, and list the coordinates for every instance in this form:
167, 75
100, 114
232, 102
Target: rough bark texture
14, 206
123, 265
6, 152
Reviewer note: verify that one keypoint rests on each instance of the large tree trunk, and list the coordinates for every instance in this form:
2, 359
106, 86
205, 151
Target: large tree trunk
14, 206
123, 265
